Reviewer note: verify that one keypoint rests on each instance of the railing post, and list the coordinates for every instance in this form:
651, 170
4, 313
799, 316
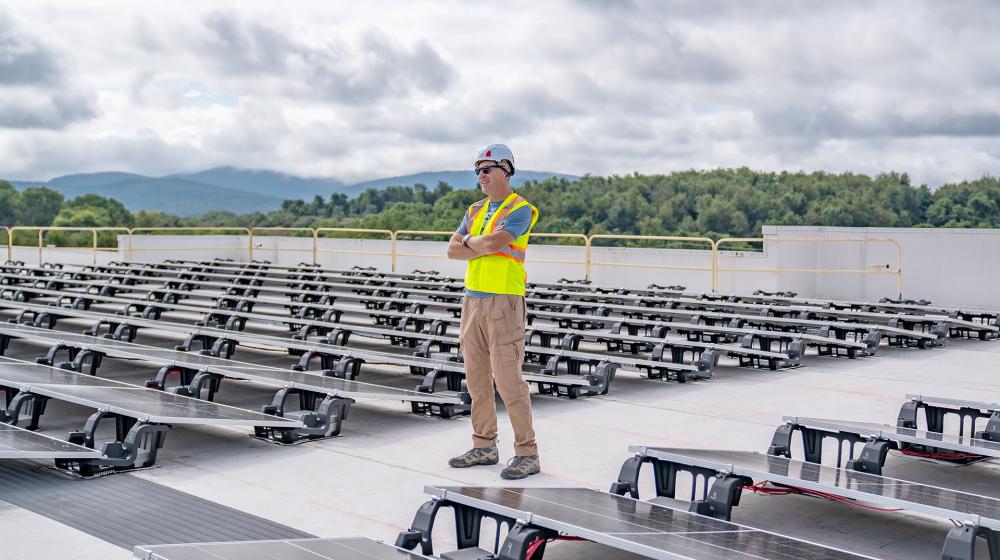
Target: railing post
586, 249
715, 266
250, 244
93, 252
40, 232
392, 238
315, 246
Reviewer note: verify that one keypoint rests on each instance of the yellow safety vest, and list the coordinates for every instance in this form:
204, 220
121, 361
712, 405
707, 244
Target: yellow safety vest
501, 272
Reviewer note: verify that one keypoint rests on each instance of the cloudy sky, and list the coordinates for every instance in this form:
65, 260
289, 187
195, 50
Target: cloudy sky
358, 90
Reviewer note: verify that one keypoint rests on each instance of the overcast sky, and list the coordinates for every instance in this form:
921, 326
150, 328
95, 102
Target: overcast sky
358, 90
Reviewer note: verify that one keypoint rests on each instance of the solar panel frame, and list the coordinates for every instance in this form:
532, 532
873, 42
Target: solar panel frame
112, 396
954, 402
642, 540
399, 282
19, 443
266, 318
349, 548
615, 307
309, 346
816, 339
541, 314
739, 463
186, 266
262, 374
903, 435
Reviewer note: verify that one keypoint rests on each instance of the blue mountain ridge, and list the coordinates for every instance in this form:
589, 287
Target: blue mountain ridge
239, 190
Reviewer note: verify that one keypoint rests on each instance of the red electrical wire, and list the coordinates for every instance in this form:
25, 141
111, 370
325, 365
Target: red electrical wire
535, 545
947, 456
781, 490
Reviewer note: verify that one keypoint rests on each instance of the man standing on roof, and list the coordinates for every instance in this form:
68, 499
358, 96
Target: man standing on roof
493, 237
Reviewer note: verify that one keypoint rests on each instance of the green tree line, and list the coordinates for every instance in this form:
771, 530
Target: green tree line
716, 203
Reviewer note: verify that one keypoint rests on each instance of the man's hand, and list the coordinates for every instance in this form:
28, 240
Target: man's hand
478, 245
458, 251
489, 244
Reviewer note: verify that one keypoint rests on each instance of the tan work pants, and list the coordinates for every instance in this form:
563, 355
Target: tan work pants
492, 341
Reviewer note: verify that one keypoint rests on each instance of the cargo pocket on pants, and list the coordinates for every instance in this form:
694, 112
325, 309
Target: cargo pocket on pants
506, 322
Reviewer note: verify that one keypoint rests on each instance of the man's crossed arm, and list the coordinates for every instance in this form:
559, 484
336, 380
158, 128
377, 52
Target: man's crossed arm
478, 245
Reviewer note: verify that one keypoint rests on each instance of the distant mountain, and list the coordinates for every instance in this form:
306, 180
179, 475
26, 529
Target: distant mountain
171, 195
240, 190
457, 179
85, 180
268, 183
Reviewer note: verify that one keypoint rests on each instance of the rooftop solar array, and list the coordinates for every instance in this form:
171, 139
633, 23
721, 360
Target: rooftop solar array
411, 311
578, 384
641, 311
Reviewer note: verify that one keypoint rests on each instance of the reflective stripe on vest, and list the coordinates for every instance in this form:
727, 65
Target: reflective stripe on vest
501, 272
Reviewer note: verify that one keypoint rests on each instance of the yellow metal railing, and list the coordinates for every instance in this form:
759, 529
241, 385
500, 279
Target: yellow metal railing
431, 233
316, 234
93, 247
391, 235
310, 234
695, 240
586, 250
199, 231
881, 269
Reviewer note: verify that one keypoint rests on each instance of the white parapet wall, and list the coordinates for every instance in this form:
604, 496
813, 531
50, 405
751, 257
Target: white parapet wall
946, 266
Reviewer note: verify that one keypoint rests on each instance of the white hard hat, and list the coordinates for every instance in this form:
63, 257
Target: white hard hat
497, 153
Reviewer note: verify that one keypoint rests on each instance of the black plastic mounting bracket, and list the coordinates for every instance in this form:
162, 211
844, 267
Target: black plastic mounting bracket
135, 446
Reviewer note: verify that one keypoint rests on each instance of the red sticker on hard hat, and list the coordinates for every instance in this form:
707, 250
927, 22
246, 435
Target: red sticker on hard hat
489, 153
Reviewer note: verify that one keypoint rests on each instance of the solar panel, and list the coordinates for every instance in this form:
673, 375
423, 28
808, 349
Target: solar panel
261, 374
224, 271
652, 341
658, 311
585, 383
18, 443
991, 406
557, 316
294, 549
625, 362
650, 530
903, 435
833, 314
147, 405
921, 308
278, 273
679, 327
883, 491
261, 317
17, 373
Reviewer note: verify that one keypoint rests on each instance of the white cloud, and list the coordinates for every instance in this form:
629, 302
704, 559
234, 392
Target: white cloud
372, 89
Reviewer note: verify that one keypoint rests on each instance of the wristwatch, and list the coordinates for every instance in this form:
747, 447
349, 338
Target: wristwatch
465, 240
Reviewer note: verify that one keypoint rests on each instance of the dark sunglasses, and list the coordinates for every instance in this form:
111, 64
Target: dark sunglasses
485, 169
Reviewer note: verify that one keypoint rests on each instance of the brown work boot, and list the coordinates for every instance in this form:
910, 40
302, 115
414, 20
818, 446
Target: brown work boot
475, 456
521, 467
